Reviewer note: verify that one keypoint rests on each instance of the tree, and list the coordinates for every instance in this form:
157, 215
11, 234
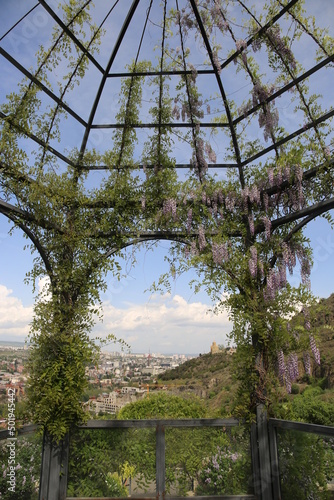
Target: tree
73, 243
250, 223
186, 449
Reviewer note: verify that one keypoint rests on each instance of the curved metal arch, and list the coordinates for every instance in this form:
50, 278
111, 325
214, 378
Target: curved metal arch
144, 239
34, 241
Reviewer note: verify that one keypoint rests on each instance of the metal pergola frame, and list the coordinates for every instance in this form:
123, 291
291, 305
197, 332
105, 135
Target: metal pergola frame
231, 123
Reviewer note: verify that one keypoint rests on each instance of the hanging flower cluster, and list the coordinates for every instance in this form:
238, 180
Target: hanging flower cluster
189, 220
220, 253
287, 373
201, 238
290, 252
252, 263
315, 350
241, 45
268, 116
280, 46
307, 326
251, 224
184, 19
210, 153
281, 366
267, 226
296, 196
198, 160
289, 256
307, 363
276, 280
169, 208
293, 371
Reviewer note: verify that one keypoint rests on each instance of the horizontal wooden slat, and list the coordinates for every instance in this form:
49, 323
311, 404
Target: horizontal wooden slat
301, 426
191, 422
218, 497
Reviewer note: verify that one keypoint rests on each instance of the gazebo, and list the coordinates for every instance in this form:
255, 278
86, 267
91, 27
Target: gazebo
206, 123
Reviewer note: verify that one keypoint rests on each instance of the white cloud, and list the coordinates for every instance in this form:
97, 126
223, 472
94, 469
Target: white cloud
165, 324
14, 316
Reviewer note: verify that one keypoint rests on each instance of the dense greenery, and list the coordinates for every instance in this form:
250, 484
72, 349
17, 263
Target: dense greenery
28, 453
306, 464
130, 454
187, 450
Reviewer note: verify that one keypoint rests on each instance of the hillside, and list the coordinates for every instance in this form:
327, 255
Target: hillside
209, 376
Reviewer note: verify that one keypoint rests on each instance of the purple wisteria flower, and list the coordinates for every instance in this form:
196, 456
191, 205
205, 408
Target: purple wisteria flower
251, 224
280, 46
201, 238
169, 208
252, 263
219, 253
267, 226
189, 220
315, 350
281, 366
293, 371
307, 363
210, 152
216, 62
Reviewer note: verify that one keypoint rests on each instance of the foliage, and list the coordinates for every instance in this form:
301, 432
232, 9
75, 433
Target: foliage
226, 472
308, 407
163, 405
98, 461
115, 485
306, 464
28, 452
186, 449
66, 233
181, 461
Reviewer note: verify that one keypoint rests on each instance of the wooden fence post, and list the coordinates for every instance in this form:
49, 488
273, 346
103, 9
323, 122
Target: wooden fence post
274, 462
54, 469
160, 462
260, 446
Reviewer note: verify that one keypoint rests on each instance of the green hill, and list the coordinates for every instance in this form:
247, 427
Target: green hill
209, 376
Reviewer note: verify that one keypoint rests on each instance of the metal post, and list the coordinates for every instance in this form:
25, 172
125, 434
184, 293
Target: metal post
274, 461
54, 469
255, 462
264, 454
160, 462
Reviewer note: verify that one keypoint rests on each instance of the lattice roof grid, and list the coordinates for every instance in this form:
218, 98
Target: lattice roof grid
249, 67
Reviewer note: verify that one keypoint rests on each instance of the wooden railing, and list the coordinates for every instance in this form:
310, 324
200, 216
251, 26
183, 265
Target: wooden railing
263, 449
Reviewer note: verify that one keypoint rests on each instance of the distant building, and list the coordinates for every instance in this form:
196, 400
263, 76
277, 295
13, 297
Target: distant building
214, 349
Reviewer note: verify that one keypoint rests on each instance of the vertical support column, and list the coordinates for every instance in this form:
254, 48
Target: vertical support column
264, 453
54, 469
255, 462
274, 461
160, 462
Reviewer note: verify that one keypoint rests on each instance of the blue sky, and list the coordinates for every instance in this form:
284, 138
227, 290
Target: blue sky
180, 322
